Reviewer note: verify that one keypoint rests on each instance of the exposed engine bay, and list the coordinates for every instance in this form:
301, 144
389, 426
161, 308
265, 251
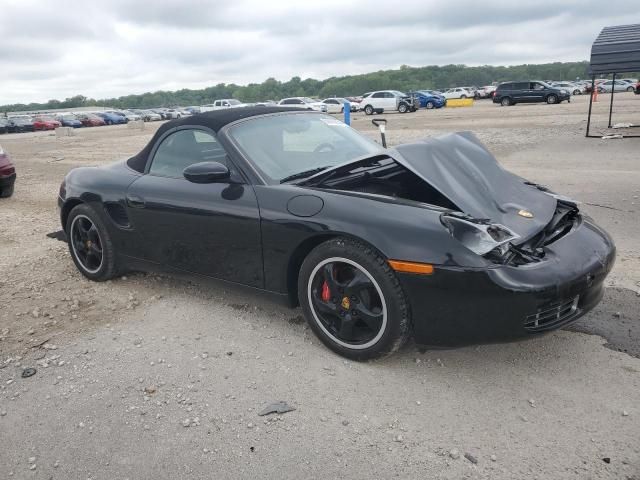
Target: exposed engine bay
496, 242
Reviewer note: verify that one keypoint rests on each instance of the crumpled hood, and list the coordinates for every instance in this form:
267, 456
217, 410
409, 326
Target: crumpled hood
462, 169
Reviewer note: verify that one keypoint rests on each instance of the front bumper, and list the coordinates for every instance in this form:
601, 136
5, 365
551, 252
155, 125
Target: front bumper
455, 307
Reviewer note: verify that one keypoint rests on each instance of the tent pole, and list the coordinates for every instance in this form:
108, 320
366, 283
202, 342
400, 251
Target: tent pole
613, 89
593, 85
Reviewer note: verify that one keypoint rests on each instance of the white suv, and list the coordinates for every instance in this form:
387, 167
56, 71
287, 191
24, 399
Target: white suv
378, 102
304, 102
458, 92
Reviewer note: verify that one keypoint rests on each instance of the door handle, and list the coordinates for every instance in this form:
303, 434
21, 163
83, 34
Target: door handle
134, 201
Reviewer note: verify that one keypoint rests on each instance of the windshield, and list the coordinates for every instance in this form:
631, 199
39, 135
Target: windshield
282, 145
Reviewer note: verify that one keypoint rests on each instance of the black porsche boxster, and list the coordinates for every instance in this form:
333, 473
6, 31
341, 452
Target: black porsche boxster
431, 239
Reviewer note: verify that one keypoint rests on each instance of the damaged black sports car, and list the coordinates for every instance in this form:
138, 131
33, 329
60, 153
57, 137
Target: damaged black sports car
432, 239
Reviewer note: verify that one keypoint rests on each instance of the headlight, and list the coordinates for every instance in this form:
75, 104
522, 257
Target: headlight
477, 235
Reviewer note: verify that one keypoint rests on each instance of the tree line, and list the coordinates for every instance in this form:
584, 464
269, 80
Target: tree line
405, 78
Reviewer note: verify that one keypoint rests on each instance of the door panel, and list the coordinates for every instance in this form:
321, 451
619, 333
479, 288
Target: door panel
210, 229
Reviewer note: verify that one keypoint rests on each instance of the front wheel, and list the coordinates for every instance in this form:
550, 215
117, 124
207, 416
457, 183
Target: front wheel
403, 108
430, 105
368, 110
90, 244
551, 99
463, 96
577, 92
353, 300
630, 89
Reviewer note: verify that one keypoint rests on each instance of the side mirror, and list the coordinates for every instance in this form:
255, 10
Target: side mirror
206, 172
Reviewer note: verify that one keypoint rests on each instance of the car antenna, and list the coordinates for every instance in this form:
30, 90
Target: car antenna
381, 123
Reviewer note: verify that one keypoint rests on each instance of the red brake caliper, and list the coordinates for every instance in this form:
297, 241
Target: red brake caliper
326, 293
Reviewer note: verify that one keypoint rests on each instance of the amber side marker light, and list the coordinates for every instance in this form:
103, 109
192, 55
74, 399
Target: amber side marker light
411, 267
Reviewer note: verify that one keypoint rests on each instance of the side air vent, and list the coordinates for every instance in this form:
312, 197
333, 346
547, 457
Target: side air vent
117, 213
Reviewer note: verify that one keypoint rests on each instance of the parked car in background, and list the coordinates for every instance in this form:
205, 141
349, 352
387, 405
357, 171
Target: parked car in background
428, 100
149, 115
131, 116
7, 174
510, 93
193, 110
162, 112
638, 88
620, 86
3, 125
573, 88
90, 120
336, 105
68, 120
222, 104
45, 122
111, 118
174, 113
486, 91
387, 100
458, 92
304, 102
632, 81
20, 123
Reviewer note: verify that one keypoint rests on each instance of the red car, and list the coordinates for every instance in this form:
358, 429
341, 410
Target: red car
90, 120
45, 123
7, 174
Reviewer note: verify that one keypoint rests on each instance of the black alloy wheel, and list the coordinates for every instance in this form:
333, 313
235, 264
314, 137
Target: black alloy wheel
352, 300
86, 243
89, 244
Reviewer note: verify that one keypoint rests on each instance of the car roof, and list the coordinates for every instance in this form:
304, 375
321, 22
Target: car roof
215, 120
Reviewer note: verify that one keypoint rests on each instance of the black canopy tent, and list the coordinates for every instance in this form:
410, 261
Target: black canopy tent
616, 50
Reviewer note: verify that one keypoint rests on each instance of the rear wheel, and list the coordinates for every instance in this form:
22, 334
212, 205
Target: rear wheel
505, 102
368, 110
577, 92
551, 99
463, 96
90, 244
352, 300
7, 191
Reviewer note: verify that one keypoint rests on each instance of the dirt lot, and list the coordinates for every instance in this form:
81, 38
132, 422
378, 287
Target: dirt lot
156, 377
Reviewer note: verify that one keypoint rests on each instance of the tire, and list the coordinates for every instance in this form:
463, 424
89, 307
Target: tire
463, 96
378, 283
551, 99
630, 89
577, 92
403, 108
106, 269
430, 105
505, 101
368, 110
6, 192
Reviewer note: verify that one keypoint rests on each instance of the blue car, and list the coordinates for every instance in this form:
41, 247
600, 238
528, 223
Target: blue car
69, 120
429, 99
111, 118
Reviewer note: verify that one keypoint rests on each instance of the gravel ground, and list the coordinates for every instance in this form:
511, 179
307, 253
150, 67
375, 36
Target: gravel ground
151, 376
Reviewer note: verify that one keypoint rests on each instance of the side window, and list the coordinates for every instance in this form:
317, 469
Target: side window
537, 86
378, 95
389, 95
184, 148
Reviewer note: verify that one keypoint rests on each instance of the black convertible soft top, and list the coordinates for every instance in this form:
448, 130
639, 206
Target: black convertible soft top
214, 120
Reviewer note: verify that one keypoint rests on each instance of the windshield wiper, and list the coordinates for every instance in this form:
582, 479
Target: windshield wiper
304, 174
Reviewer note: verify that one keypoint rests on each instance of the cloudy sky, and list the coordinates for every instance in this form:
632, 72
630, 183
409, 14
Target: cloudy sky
57, 49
